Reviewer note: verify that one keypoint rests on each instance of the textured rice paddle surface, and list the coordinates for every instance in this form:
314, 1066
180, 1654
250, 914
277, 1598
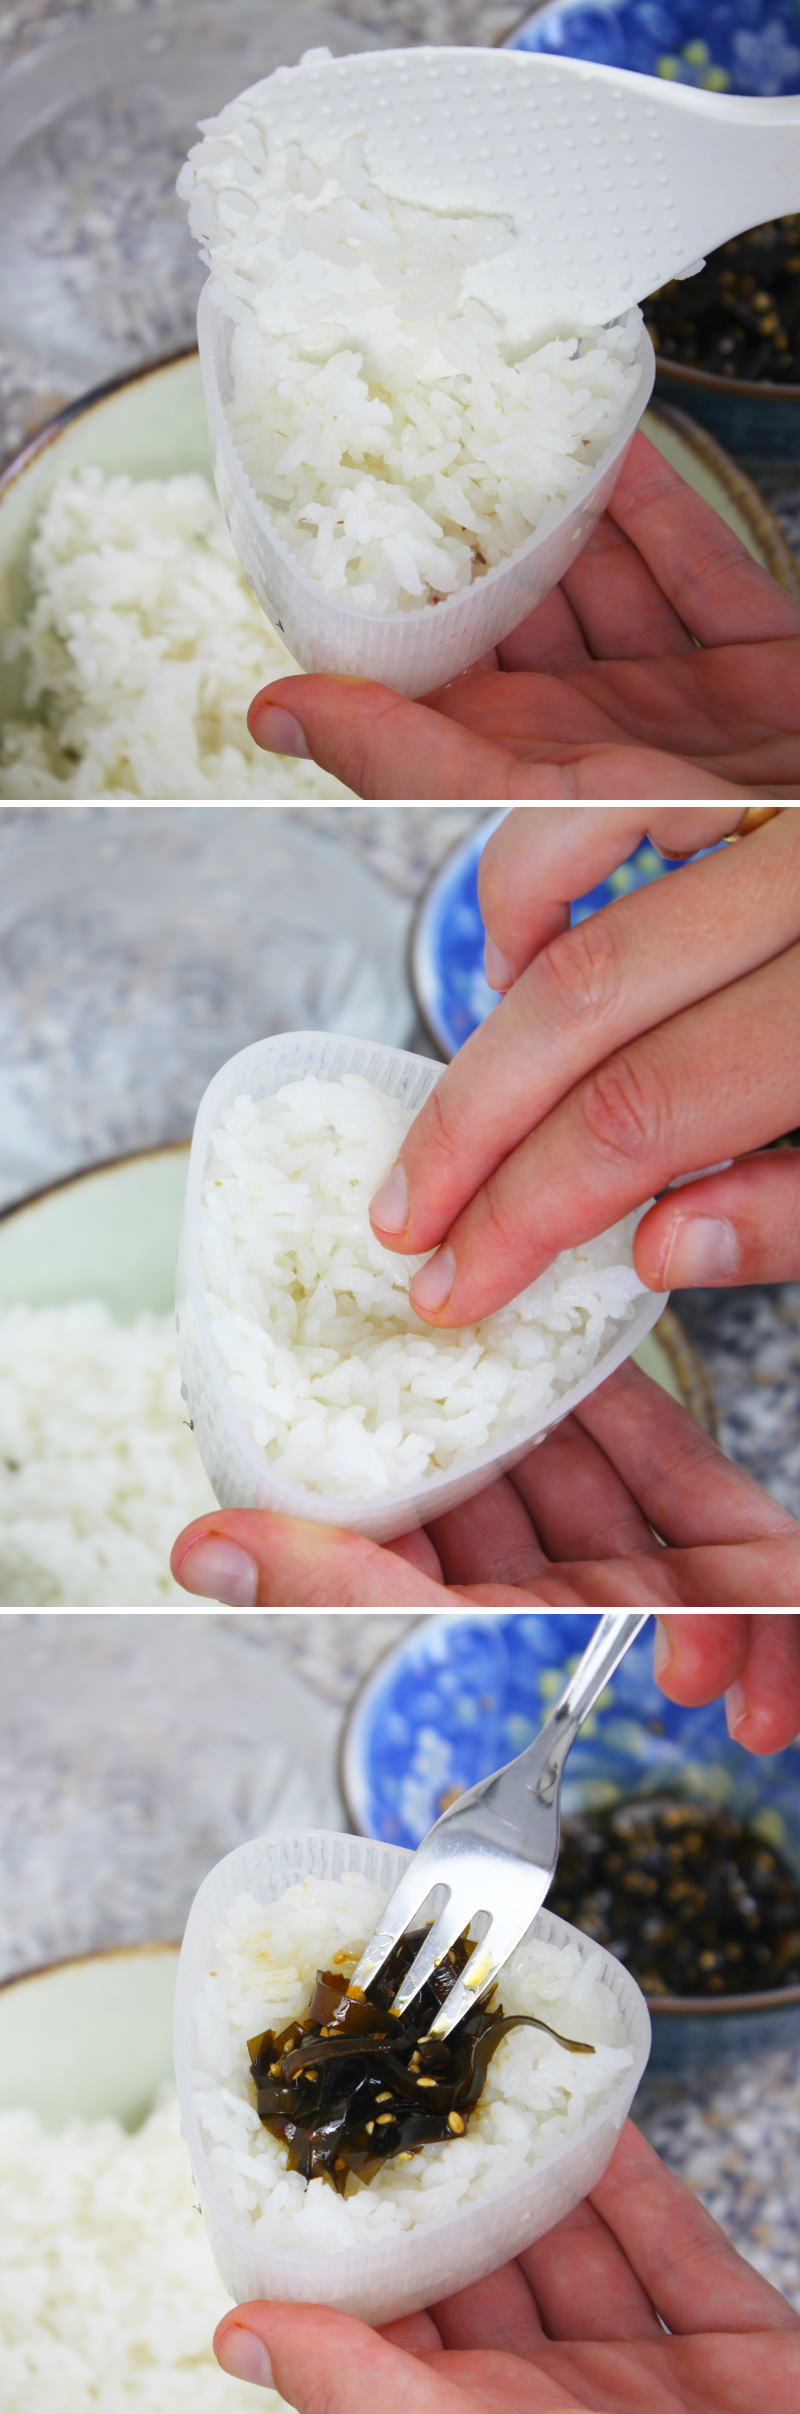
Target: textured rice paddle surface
98, 1469
339, 1382
108, 2292
403, 432
141, 651
536, 2096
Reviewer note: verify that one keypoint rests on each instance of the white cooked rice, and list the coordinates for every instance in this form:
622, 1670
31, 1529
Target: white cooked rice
339, 1382
108, 2291
142, 649
98, 1470
402, 433
536, 2095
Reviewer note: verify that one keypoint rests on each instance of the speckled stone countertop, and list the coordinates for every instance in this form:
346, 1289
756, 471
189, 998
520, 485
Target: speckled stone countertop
120, 263
135, 1751
104, 1048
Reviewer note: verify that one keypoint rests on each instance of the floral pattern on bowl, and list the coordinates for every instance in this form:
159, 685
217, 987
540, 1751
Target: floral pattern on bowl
752, 46
447, 942
461, 1695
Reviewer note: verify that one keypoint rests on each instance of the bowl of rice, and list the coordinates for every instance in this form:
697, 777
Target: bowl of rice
313, 1387
131, 645
108, 2292
98, 1469
263, 1924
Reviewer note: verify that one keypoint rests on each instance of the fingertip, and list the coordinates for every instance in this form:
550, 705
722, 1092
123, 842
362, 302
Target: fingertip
388, 1211
500, 974
697, 1658
758, 1726
242, 2354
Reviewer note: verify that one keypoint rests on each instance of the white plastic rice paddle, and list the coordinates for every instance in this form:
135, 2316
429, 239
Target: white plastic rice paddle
239, 1471
381, 2280
614, 183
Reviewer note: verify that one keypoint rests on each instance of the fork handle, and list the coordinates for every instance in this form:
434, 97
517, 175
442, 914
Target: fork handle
612, 1637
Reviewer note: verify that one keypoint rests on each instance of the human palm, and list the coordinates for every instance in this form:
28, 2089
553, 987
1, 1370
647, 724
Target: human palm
575, 1526
667, 663
636, 2303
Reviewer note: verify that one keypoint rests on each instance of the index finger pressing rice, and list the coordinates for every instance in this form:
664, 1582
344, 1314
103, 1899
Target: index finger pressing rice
338, 1380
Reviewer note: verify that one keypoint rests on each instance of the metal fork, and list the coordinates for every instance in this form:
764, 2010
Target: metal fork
496, 1849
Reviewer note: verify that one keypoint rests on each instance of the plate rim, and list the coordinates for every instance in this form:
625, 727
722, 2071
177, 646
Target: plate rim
87, 1173
72, 1961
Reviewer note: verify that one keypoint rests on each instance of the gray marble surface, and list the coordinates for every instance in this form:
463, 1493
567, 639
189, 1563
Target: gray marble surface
135, 1751
113, 1017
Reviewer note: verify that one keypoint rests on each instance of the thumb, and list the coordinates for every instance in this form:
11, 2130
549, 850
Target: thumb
377, 742
739, 1226
254, 1560
327, 2363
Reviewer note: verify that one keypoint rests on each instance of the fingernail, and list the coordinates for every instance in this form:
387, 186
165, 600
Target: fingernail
244, 2356
662, 1651
736, 1711
276, 730
499, 973
389, 1208
434, 1283
703, 1249
219, 1571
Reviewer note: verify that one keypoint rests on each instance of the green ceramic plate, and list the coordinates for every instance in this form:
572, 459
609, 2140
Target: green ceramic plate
91, 2037
112, 1234
109, 1234
153, 423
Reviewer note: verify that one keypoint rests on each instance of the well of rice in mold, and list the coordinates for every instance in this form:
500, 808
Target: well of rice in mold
343, 1432
392, 2253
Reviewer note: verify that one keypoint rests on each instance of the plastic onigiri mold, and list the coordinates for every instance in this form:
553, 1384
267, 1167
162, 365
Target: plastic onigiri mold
613, 182
238, 1470
386, 2278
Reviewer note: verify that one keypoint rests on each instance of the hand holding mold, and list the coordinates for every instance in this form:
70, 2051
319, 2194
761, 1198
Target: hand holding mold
637, 2297
573, 1529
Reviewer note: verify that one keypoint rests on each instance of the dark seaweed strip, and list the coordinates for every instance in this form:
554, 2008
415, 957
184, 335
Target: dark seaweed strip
375, 2084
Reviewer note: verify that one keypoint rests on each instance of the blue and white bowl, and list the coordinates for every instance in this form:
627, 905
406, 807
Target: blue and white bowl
447, 941
739, 46
458, 1696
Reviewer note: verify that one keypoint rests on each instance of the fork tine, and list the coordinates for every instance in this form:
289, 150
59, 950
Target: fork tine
399, 1913
436, 1944
488, 1959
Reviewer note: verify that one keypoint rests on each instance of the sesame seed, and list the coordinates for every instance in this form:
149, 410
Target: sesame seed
426, 2082
454, 2122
